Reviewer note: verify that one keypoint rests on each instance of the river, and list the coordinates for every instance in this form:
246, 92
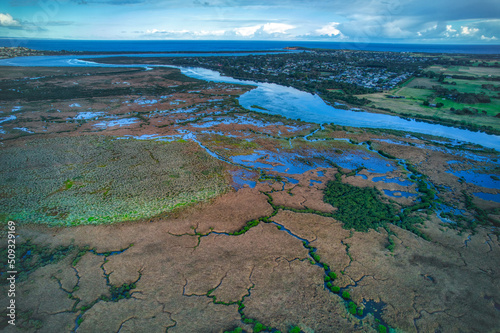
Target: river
287, 101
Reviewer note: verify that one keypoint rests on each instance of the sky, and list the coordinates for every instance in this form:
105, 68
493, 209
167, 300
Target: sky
383, 21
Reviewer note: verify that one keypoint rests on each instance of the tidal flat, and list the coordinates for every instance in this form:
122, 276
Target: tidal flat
187, 212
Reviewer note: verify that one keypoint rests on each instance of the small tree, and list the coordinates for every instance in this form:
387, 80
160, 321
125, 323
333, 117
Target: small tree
258, 328
346, 295
352, 308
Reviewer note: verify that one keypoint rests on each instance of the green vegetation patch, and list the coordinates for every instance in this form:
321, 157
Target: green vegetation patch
359, 208
62, 181
362, 209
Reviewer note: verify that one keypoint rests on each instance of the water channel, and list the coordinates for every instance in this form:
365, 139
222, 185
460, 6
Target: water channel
286, 101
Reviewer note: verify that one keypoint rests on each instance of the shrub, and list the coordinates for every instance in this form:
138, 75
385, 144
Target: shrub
352, 308
258, 328
346, 295
316, 257
391, 245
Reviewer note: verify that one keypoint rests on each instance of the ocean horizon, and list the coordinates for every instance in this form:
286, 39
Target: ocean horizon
235, 46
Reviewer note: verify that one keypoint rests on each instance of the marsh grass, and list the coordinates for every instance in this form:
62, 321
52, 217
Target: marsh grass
94, 180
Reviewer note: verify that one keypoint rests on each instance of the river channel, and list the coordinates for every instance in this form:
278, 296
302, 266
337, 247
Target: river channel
285, 101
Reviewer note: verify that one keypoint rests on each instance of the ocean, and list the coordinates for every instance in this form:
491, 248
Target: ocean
233, 45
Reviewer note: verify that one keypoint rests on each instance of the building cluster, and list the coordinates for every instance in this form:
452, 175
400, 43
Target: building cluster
11, 52
372, 70
380, 79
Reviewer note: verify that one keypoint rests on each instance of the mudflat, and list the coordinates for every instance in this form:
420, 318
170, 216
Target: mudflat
160, 204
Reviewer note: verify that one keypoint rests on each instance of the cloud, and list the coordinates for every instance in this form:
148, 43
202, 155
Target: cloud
267, 30
203, 33
469, 31
465, 32
166, 32
450, 32
329, 30
6, 20
460, 31
356, 20
178, 34
277, 28
263, 29
411, 21
247, 31
429, 29
483, 37
372, 28
397, 29
199, 3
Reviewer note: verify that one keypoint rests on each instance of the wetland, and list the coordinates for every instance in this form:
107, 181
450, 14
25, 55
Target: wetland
156, 199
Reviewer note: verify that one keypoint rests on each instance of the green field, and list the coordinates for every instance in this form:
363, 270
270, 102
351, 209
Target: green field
462, 70
414, 93
421, 89
471, 86
422, 82
492, 109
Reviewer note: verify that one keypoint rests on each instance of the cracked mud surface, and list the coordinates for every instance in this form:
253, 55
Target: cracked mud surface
425, 286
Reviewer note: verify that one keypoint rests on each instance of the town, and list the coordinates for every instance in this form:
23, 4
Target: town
334, 69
